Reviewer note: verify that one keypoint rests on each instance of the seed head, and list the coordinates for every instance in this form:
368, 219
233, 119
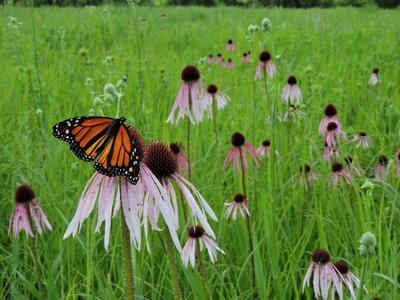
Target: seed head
383, 160
212, 89
210, 55
245, 54
342, 267
368, 239
332, 126
238, 139
190, 73
175, 148
265, 56
230, 42
239, 198
362, 133
160, 160
196, 232
307, 168
321, 256
337, 167
24, 193
330, 110
398, 155
348, 160
292, 80
375, 70
266, 143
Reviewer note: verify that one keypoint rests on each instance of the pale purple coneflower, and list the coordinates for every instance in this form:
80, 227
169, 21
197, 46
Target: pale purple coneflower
188, 97
381, 168
398, 164
324, 274
141, 201
353, 166
340, 172
347, 279
162, 163
181, 158
163, 17
265, 63
210, 59
306, 176
362, 140
330, 115
197, 234
330, 152
239, 203
291, 91
27, 213
220, 59
230, 46
374, 77
230, 64
333, 132
294, 113
264, 149
245, 58
236, 154
213, 95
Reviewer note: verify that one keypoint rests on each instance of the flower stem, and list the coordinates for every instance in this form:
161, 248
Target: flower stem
173, 268
248, 227
37, 268
266, 91
188, 149
214, 103
35, 257
127, 259
202, 271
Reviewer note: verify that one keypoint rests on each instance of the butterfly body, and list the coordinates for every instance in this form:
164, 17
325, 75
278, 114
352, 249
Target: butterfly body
106, 141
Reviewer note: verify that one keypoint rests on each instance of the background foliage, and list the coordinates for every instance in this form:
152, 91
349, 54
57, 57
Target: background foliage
48, 54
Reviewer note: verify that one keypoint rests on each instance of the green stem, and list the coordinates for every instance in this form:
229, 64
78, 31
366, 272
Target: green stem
202, 271
266, 92
188, 148
35, 257
248, 228
173, 268
127, 257
214, 104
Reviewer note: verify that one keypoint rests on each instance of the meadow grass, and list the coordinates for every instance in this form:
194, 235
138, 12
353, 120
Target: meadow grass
45, 63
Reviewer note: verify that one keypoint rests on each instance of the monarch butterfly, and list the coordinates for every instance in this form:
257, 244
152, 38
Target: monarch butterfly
106, 139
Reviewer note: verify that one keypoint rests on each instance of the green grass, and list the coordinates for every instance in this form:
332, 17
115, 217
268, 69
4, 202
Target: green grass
331, 52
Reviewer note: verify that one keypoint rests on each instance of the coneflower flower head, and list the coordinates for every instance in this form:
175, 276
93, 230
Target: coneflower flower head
374, 77
348, 279
236, 154
245, 58
230, 46
264, 149
239, 203
230, 64
210, 59
187, 100
368, 244
180, 157
333, 132
307, 175
398, 164
330, 115
353, 166
197, 234
291, 91
330, 152
212, 95
362, 140
161, 161
325, 274
265, 62
381, 168
220, 59
27, 213
340, 172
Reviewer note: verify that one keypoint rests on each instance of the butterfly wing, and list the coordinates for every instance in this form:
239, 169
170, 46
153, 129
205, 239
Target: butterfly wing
119, 156
86, 135
106, 139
